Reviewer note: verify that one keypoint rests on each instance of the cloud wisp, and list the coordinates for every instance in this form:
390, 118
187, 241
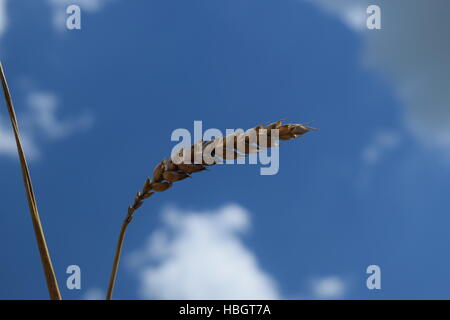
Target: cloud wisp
331, 287
382, 142
94, 294
39, 122
411, 51
3, 17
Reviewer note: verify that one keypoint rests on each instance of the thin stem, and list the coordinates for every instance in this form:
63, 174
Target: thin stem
123, 229
138, 200
167, 172
52, 283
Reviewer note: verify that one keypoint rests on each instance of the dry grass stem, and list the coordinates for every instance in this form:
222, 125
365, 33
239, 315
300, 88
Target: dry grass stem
52, 284
196, 158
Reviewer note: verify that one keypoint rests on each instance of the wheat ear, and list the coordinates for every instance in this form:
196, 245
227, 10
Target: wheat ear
52, 284
230, 147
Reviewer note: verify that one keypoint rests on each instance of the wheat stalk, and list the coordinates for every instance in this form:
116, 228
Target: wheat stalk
52, 284
196, 158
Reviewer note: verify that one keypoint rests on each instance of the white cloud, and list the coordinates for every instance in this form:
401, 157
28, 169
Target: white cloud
412, 50
7, 143
89, 5
43, 107
332, 287
59, 9
94, 294
352, 13
3, 17
382, 142
39, 122
201, 256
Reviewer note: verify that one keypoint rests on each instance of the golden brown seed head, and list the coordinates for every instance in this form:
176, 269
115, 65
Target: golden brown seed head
161, 186
300, 129
230, 147
147, 195
191, 168
158, 171
173, 176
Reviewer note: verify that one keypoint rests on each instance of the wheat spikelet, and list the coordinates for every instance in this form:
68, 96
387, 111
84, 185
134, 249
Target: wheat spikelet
200, 155
167, 171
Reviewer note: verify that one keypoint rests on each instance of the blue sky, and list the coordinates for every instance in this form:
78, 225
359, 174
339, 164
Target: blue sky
97, 107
